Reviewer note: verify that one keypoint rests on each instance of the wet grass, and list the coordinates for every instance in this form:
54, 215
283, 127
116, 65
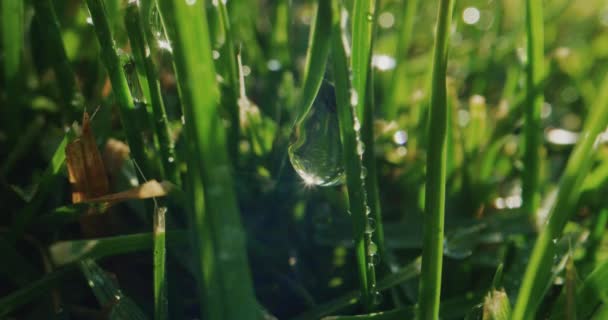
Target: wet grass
467, 185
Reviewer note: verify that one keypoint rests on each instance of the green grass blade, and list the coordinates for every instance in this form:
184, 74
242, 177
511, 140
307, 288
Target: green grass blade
45, 188
140, 39
538, 270
316, 58
108, 294
353, 164
65, 252
534, 99
32, 291
23, 144
432, 250
118, 79
49, 24
13, 28
224, 278
398, 90
160, 278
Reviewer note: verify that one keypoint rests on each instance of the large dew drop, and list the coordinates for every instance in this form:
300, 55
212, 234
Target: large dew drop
315, 151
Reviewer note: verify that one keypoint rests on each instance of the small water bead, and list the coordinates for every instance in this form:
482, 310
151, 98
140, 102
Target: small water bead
400, 137
356, 124
354, 97
360, 147
273, 65
90, 21
376, 297
371, 226
370, 17
190, 2
363, 172
372, 249
316, 152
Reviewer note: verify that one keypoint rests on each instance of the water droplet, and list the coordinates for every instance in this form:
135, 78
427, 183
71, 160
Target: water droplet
370, 17
171, 159
383, 62
354, 97
190, 2
363, 172
357, 124
316, 152
400, 137
132, 78
360, 147
90, 21
273, 65
554, 241
216, 54
376, 297
372, 249
371, 225
158, 31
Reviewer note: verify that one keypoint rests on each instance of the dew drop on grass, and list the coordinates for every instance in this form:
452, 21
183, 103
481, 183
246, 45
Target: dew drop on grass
371, 225
376, 297
315, 151
372, 249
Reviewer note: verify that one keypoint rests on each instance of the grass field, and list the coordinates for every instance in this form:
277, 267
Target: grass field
303, 159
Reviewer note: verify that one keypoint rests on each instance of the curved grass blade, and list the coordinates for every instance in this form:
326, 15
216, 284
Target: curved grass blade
432, 250
160, 278
534, 99
536, 278
65, 252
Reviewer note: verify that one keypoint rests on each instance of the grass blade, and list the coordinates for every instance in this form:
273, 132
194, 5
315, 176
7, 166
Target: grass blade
432, 250
353, 164
118, 79
534, 99
538, 270
140, 39
160, 278
65, 252
218, 239
13, 28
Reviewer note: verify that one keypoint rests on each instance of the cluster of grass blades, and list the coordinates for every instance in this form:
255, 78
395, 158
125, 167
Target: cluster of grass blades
303, 159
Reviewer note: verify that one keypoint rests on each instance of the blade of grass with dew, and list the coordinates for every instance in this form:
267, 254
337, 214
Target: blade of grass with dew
397, 92
120, 86
161, 302
140, 38
44, 189
49, 24
351, 298
353, 164
534, 101
33, 290
432, 249
108, 294
538, 269
364, 17
226, 266
65, 252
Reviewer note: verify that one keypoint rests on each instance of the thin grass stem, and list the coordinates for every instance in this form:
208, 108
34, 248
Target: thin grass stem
432, 250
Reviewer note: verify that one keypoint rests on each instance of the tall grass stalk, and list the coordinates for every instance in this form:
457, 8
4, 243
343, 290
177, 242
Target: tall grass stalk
218, 240
432, 250
120, 87
353, 164
534, 101
140, 38
539, 267
364, 16
161, 302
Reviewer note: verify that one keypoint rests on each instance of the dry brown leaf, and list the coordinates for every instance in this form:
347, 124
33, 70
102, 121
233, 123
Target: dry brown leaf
86, 170
150, 189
